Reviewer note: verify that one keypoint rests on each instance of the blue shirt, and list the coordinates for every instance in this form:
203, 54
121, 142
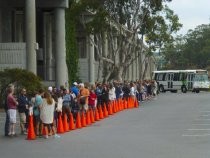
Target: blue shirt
22, 102
38, 102
75, 90
66, 100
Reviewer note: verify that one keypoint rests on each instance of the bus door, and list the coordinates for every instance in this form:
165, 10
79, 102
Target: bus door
190, 78
170, 80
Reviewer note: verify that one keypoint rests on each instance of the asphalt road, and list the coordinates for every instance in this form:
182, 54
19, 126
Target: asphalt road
174, 125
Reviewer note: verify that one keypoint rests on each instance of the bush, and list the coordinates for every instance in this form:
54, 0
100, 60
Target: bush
20, 78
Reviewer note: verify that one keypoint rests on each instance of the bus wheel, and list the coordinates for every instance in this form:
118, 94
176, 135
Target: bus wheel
184, 89
161, 89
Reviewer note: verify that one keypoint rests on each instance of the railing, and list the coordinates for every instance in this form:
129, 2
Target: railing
12, 55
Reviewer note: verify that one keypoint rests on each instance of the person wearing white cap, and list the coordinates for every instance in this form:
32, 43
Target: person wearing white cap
83, 97
75, 89
50, 89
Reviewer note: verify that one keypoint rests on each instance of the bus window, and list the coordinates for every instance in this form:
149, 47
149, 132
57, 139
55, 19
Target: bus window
164, 76
176, 77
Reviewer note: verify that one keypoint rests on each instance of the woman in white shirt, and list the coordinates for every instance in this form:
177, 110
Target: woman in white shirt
112, 94
47, 114
132, 90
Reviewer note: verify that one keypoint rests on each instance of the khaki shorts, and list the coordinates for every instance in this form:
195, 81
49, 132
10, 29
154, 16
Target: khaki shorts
83, 107
22, 117
86, 107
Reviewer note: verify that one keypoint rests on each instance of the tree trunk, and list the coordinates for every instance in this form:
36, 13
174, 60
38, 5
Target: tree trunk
145, 70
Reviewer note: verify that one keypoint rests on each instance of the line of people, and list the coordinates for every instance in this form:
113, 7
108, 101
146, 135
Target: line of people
47, 105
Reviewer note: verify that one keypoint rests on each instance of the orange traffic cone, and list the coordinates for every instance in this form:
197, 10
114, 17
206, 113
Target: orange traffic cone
71, 122
132, 102
92, 116
114, 107
97, 118
31, 133
78, 121
110, 109
117, 106
83, 120
101, 115
122, 104
88, 121
60, 125
105, 111
126, 104
65, 124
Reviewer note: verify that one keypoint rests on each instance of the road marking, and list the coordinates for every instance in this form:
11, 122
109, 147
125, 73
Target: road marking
205, 111
197, 135
203, 119
204, 115
204, 124
207, 129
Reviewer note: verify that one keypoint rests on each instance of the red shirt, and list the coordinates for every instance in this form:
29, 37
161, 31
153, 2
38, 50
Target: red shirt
92, 98
11, 103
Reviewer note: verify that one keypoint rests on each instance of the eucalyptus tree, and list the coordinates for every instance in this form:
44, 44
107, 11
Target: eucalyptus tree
124, 23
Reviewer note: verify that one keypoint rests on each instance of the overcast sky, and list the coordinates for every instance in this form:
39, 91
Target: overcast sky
191, 13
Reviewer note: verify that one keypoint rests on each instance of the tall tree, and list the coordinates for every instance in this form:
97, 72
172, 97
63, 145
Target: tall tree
124, 23
190, 51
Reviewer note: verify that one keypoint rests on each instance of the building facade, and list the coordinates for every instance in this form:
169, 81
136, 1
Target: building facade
32, 37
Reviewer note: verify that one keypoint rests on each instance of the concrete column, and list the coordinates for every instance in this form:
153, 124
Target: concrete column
60, 48
91, 60
31, 46
49, 59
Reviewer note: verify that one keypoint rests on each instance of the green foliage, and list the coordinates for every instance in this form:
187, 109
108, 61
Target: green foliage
20, 78
72, 54
191, 50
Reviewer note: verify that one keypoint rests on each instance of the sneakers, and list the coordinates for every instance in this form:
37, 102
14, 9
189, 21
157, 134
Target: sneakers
46, 137
56, 136
24, 132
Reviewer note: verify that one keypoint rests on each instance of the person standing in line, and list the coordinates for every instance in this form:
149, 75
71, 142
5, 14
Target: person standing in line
22, 109
83, 97
58, 109
36, 112
118, 90
66, 108
105, 95
12, 106
92, 98
112, 94
7, 121
47, 114
98, 92
132, 90
75, 89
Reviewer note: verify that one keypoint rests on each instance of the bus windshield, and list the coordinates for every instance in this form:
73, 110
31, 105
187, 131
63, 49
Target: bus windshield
201, 77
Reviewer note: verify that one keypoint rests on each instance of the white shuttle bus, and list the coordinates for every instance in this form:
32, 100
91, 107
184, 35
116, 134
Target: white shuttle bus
184, 80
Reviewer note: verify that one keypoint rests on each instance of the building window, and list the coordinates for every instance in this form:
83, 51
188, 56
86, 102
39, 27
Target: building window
81, 43
18, 26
